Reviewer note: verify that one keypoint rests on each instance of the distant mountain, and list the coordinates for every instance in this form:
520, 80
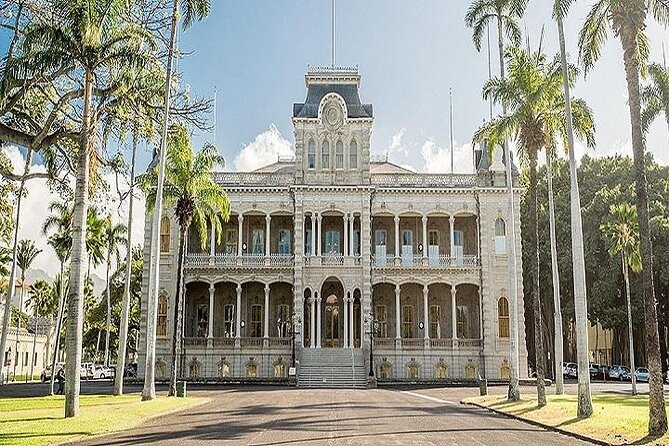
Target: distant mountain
34, 274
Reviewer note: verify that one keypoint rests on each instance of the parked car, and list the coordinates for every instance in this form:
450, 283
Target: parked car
594, 370
642, 374
46, 373
618, 372
130, 370
86, 371
566, 366
572, 370
102, 372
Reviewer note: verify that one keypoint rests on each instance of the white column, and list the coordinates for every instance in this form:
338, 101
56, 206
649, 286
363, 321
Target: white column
397, 237
346, 344
351, 223
313, 234
351, 327
268, 220
345, 235
426, 322
312, 322
452, 229
454, 314
398, 322
266, 324
238, 313
320, 235
240, 238
318, 321
424, 236
210, 329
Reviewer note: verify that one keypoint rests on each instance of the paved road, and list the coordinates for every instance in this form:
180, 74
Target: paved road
288, 416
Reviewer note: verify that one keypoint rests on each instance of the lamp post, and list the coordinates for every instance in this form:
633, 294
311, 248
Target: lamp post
371, 323
294, 330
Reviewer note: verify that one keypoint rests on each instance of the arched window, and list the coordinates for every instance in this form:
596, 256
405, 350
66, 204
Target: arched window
194, 369
503, 317
223, 370
280, 370
311, 155
251, 370
504, 371
325, 156
353, 155
413, 371
441, 370
385, 370
470, 370
339, 155
500, 236
161, 328
165, 234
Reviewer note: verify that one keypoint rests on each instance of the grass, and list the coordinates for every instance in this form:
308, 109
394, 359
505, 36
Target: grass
616, 419
39, 421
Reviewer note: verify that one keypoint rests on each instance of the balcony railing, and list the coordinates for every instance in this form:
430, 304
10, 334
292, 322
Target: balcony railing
224, 342
417, 261
419, 343
195, 342
224, 260
251, 342
254, 179
423, 180
332, 259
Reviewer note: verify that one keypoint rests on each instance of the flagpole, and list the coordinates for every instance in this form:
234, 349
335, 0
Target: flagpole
450, 93
334, 26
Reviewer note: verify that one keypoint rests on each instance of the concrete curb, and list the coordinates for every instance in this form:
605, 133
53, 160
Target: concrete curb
537, 424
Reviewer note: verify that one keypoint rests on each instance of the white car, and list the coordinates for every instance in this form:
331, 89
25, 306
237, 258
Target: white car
102, 372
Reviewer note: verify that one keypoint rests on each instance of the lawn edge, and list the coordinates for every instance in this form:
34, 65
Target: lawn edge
538, 424
196, 401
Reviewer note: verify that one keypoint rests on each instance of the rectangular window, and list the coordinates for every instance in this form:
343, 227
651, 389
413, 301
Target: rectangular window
161, 329
258, 242
312, 161
407, 321
463, 322
202, 317
332, 245
283, 320
380, 249
407, 247
229, 321
382, 319
231, 242
356, 242
284, 242
353, 159
458, 246
339, 160
500, 244
325, 157
434, 313
433, 247
256, 321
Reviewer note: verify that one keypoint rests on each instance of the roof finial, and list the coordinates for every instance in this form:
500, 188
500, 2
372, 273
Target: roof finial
334, 31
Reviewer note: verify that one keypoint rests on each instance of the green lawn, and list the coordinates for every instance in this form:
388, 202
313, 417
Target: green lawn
39, 421
616, 419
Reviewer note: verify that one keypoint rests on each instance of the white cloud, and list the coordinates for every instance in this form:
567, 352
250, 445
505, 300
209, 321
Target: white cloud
396, 145
34, 212
437, 159
265, 149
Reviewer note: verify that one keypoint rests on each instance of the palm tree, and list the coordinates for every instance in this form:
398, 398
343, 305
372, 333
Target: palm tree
95, 239
505, 13
193, 10
113, 237
622, 230
655, 95
533, 93
628, 19
44, 304
90, 38
197, 201
25, 256
584, 407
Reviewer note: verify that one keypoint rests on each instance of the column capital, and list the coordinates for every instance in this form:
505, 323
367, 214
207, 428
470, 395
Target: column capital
266, 288
426, 289
424, 219
268, 217
239, 288
397, 219
212, 288
397, 288
319, 217
452, 218
453, 290
319, 299
310, 300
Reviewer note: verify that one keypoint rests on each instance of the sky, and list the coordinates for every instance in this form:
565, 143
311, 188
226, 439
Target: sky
255, 54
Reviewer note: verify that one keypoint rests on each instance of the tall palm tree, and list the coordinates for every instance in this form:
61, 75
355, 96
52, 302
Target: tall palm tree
655, 95
193, 10
25, 256
533, 93
197, 201
622, 230
89, 39
95, 239
584, 406
113, 237
43, 303
505, 13
627, 19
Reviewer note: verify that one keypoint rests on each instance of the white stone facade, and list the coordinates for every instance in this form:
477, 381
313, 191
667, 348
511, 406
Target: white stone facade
321, 245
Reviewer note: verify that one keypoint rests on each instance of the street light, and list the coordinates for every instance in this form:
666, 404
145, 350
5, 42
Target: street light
371, 323
294, 330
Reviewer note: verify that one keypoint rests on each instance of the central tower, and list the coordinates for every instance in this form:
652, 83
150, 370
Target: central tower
332, 129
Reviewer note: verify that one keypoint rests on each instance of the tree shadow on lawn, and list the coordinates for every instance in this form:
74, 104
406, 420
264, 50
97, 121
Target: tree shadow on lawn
21, 420
648, 439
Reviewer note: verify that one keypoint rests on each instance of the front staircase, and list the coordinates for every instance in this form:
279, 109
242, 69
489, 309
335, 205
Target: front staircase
339, 368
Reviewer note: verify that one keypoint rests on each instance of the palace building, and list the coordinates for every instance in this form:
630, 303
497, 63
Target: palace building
331, 253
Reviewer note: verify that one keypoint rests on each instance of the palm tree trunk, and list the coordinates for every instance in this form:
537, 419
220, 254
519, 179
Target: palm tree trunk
557, 314
657, 423
149, 390
11, 288
59, 324
178, 312
108, 323
125, 311
629, 322
75, 311
578, 256
32, 356
534, 269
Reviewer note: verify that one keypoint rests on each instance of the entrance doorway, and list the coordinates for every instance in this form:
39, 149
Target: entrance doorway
332, 313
